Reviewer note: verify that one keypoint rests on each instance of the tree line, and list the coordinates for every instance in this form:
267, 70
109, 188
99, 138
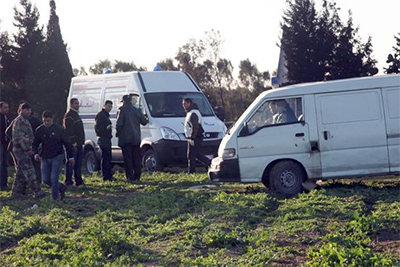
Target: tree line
316, 46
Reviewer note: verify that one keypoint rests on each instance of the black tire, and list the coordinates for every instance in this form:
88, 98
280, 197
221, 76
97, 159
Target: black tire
286, 178
90, 163
150, 162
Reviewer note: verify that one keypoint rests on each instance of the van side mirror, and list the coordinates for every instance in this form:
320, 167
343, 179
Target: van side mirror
245, 130
220, 112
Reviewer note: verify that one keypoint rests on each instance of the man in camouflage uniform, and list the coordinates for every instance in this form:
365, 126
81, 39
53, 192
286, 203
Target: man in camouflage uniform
22, 138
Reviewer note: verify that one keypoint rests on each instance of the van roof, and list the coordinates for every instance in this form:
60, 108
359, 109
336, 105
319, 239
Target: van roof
335, 86
152, 81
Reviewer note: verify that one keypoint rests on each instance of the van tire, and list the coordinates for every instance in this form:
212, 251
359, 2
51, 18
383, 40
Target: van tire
286, 178
150, 162
90, 163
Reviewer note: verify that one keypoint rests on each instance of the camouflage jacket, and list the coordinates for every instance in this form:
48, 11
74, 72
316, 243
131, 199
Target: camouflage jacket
22, 134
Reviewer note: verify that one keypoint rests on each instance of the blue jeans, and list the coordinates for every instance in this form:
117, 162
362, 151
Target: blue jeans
76, 170
51, 169
3, 165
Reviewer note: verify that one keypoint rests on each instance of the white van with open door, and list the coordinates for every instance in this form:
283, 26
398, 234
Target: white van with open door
307, 132
160, 98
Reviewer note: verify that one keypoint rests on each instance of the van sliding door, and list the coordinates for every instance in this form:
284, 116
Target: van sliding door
391, 98
352, 134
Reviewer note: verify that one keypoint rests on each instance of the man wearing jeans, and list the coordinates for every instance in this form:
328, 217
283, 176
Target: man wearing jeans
73, 125
53, 139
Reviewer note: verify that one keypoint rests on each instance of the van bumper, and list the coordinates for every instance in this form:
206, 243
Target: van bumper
174, 153
224, 170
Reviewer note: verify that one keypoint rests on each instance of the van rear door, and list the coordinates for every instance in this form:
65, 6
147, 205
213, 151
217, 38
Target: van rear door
352, 134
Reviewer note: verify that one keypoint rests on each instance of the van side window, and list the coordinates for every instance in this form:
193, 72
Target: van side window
89, 94
276, 112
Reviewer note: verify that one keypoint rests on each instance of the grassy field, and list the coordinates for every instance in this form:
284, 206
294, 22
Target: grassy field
179, 220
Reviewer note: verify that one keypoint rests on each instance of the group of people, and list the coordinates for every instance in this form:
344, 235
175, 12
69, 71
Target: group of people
39, 147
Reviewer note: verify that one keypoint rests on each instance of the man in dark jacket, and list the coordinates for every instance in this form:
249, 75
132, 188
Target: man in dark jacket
73, 125
4, 123
194, 134
53, 139
36, 122
129, 119
103, 128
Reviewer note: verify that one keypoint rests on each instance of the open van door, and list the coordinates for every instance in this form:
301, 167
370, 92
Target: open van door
352, 134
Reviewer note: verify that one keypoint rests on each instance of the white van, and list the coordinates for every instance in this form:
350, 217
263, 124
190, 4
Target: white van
344, 128
161, 93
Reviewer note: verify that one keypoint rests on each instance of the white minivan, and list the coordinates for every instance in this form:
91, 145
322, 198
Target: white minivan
314, 131
160, 95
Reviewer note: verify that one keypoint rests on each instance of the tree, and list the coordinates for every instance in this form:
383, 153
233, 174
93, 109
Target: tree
101, 67
28, 43
320, 47
299, 35
394, 59
119, 66
79, 72
250, 77
9, 88
50, 79
202, 60
351, 58
167, 64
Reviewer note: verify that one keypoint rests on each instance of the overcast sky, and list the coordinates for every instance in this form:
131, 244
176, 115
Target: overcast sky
148, 31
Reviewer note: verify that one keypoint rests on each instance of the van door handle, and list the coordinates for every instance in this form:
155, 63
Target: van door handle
299, 134
326, 135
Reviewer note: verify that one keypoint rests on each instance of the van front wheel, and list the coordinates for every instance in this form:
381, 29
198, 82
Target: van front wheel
286, 178
90, 163
150, 162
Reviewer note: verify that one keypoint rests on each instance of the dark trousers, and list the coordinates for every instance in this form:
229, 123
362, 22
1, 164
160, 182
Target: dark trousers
132, 158
193, 153
3, 165
106, 159
76, 170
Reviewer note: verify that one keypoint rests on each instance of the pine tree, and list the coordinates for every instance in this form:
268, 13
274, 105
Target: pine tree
299, 34
50, 80
28, 44
319, 47
9, 88
394, 58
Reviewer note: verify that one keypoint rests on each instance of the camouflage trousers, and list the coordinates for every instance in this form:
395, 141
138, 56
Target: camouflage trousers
24, 174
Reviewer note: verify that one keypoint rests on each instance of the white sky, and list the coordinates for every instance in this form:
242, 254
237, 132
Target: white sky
148, 31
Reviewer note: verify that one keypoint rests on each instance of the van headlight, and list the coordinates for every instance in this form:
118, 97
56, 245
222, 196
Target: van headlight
228, 153
169, 134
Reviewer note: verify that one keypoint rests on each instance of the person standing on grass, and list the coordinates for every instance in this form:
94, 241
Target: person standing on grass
53, 139
129, 119
4, 123
103, 128
73, 125
194, 133
22, 138
35, 122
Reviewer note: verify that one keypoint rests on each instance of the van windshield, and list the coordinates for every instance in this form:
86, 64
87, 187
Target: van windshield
170, 104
